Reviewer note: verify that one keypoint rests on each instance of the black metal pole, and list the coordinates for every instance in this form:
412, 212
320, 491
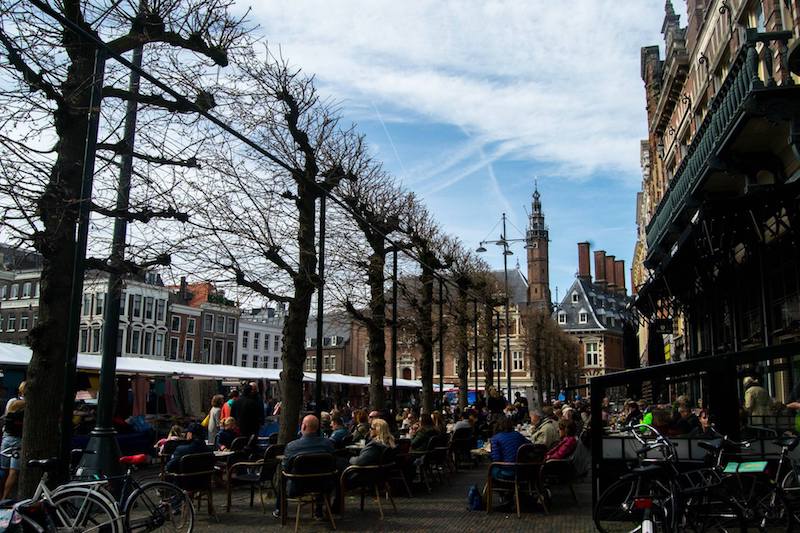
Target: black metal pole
508, 340
441, 343
103, 438
394, 331
475, 342
320, 305
79, 259
499, 354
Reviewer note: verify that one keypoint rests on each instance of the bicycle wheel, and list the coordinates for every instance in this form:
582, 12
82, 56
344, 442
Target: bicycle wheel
713, 509
790, 489
617, 511
80, 509
158, 506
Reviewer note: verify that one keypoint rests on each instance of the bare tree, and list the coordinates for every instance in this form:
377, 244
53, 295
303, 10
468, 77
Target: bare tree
47, 72
258, 211
375, 206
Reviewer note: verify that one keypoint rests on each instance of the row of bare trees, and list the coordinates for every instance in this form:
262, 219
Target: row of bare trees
234, 200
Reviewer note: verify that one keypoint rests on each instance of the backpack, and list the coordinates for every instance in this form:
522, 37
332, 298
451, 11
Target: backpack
474, 499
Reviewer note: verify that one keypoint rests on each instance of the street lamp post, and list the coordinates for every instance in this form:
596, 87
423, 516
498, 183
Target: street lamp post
504, 241
499, 353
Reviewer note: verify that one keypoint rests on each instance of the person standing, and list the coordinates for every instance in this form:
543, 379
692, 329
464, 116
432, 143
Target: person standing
248, 412
11, 445
214, 417
227, 406
757, 401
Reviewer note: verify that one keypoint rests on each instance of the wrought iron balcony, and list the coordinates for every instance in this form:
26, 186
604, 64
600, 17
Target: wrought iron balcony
743, 83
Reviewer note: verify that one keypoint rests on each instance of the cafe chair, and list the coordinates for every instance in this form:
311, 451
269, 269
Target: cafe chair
461, 444
403, 462
308, 477
195, 476
560, 472
525, 477
371, 478
436, 462
255, 474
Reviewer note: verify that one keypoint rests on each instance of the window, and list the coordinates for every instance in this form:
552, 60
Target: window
276, 362
136, 336
97, 340
206, 350
208, 322
245, 338
173, 347
562, 317
219, 346
26, 289
99, 303
497, 364
3, 291
592, 354
277, 345
230, 352
326, 341
84, 342
219, 324
147, 349
137, 305
23, 322
159, 347
148, 308
161, 307
176, 323
231, 326
122, 303
516, 360
87, 304
14, 291
255, 361
120, 342
190, 325
574, 297
36, 289
188, 352
583, 317
244, 359
1, 322
256, 337
12, 323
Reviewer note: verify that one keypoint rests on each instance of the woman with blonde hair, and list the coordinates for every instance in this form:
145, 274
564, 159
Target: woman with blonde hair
381, 440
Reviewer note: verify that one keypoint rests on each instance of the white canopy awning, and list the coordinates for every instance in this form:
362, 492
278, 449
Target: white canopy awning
16, 355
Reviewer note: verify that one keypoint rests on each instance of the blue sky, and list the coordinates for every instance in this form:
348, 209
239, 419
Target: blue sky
466, 103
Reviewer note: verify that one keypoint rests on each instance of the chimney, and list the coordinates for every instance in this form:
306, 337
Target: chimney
584, 269
611, 278
183, 290
619, 276
600, 268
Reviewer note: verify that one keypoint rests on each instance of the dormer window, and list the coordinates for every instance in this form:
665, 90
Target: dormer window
562, 317
574, 297
583, 317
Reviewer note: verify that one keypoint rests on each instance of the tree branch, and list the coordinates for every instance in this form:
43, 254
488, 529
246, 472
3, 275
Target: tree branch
141, 216
257, 286
125, 266
194, 43
203, 100
35, 80
121, 148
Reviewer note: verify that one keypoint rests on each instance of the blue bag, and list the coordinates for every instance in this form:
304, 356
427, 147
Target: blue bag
474, 499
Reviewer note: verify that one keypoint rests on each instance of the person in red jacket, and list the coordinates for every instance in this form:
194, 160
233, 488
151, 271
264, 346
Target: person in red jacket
566, 446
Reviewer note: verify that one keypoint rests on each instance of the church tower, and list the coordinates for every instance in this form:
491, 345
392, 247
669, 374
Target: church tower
538, 257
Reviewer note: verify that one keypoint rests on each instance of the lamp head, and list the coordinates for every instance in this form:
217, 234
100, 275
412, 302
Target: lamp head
480, 249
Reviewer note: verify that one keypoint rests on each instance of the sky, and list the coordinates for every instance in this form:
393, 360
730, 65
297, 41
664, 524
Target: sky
470, 103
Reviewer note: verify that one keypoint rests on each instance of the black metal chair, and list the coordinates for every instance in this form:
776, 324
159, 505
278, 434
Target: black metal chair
255, 474
435, 462
307, 478
403, 462
195, 475
370, 478
524, 476
462, 442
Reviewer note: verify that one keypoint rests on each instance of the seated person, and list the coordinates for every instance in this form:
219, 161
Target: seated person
360, 426
423, 432
326, 423
505, 444
175, 433
705, 430
227, 434
339, 431
309, 442
381, 440
465, 422
566, 446
687, 421
545, 429
195, 437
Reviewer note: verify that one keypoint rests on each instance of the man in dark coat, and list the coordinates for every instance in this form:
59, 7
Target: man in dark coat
248, 411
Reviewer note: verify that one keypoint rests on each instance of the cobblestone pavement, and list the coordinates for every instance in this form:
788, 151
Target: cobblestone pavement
443, 510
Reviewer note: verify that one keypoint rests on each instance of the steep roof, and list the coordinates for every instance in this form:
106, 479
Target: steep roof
517, 285
604, 310
336, 324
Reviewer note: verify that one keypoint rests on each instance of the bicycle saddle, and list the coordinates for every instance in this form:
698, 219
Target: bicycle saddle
640, 471
133, 459
789, 442
711, 445
45, 464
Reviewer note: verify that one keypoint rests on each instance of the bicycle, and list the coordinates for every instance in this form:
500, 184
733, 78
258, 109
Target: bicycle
148, 506
68, 508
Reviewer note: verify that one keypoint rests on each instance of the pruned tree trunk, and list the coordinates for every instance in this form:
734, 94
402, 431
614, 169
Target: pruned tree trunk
462, 344
487, 345
376, 327
425, 338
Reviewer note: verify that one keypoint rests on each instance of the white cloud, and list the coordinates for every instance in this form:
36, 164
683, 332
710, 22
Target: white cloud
557, 82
